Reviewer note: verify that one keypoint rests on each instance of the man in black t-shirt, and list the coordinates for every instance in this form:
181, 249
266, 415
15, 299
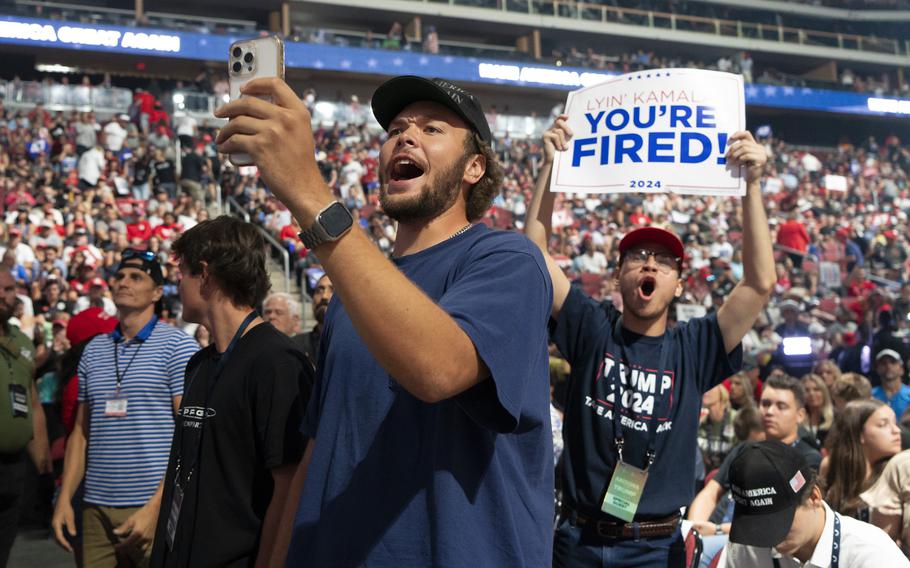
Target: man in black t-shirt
237, 443
656, 374
164, 174
782, 409
193, 165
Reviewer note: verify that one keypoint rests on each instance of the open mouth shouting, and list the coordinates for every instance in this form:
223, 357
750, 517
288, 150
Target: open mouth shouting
402, 170
646, 288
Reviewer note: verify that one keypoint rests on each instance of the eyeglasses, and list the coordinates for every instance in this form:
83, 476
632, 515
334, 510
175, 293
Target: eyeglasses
145, 255
666, 262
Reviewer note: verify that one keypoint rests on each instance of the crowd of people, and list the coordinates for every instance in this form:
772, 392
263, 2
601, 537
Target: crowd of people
82, 193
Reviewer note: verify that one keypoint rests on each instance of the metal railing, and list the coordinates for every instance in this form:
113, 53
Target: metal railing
592, 12
880, 280
232, 207
105, 100
126, 17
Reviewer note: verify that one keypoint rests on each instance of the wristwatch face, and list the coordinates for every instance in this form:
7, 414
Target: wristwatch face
336, 220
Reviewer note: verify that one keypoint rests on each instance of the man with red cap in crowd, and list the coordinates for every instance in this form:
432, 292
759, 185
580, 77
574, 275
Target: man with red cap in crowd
627, 474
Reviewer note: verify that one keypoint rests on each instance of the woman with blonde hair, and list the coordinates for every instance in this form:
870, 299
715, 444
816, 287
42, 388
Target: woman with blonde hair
828, 370
864, 437
819, 409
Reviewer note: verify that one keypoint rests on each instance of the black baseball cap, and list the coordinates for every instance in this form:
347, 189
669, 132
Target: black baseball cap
395, 94
144, 260
768, 480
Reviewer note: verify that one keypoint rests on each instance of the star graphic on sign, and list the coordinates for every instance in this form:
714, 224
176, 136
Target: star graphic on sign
424, 60
789, 91
806, 91
345, 64
448, 59
770, 91
372, 63
318, 64
752, 91
397, 62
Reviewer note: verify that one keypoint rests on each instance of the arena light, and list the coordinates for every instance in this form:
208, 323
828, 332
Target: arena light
54, 68
896, 106
797, 346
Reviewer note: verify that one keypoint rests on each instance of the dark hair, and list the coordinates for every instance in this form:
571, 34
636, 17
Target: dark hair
847, 476
480, 197
811, 483
235, 254
747, 420
786, 382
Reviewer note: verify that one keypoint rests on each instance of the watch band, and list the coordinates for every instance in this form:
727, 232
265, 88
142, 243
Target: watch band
325, 227
313, 236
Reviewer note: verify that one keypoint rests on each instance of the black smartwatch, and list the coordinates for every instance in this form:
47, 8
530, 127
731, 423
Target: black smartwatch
331, 224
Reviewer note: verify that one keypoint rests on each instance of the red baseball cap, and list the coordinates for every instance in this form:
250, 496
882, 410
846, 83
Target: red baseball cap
653, 235
89, 323
98, 281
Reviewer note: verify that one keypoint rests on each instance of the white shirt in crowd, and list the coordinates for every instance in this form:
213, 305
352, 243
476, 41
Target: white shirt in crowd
84, 303
91, 164
185, 126
114, 135
862, 546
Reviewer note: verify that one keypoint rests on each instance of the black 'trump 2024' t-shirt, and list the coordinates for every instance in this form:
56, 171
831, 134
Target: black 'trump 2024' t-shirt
668, 399
249, 425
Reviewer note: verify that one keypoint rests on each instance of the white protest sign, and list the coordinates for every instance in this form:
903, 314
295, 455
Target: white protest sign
663, 130
835, 183
685, 312
773, 185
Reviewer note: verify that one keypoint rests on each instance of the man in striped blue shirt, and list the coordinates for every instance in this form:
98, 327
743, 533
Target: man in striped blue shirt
130, 387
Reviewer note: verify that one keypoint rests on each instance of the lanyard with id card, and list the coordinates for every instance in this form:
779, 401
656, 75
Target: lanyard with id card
627, 483
18, 394
173, 516
116, 403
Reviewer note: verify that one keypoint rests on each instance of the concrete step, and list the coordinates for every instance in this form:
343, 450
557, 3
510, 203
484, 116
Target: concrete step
276, 276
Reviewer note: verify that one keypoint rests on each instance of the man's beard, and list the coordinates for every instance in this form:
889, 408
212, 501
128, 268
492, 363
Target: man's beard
319, 312
434, 199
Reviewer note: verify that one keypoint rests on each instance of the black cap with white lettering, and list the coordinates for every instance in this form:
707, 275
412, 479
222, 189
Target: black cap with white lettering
768, 480
395, 94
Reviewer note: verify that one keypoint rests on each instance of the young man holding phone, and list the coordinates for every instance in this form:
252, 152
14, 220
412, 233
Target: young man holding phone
429, 422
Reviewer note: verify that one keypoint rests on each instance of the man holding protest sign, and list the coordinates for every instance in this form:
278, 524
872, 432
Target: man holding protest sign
628, 473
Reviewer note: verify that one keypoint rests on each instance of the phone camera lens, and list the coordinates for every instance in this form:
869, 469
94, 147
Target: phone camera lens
248, 57
237, 52
237, 67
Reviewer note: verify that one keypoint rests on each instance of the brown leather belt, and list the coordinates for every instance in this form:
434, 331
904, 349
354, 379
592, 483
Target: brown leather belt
653, 528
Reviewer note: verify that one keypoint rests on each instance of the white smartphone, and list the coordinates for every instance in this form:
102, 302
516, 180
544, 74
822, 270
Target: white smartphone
251, 59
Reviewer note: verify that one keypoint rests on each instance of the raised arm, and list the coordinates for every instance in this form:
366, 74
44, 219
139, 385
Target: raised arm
539, 220
413, 338
748, 298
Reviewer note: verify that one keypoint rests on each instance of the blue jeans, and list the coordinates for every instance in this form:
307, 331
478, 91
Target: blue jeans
577, 548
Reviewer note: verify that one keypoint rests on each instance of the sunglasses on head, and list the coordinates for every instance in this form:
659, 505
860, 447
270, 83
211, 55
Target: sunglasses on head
145, 255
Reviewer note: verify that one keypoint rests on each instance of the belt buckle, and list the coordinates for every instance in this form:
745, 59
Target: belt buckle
603, 527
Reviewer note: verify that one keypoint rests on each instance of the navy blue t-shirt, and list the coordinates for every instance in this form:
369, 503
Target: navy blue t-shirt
468, 481
670, 399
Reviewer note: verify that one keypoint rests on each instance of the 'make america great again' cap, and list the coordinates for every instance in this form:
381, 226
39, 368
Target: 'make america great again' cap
768, 480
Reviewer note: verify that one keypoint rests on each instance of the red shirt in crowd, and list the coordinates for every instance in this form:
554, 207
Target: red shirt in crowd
165, 232
146, 102
793, 234
141, 230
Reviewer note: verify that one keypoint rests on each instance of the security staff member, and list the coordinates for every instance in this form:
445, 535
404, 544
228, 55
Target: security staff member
22, 424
